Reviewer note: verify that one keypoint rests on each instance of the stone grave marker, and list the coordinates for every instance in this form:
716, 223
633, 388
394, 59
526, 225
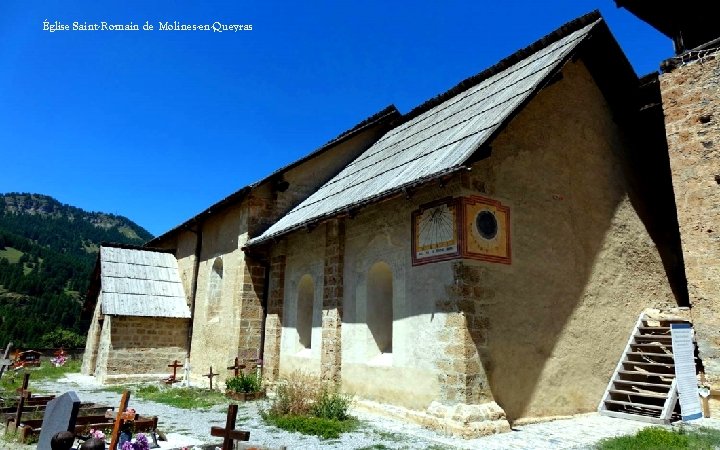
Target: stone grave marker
229, 433
186, 372
60, 415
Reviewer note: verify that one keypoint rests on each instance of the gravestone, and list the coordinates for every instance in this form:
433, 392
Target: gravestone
119, 419
60, 415
229, 433
173, 378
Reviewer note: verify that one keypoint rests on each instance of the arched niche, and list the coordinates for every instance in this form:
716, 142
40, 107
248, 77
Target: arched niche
305, 303
214, 295
379, 312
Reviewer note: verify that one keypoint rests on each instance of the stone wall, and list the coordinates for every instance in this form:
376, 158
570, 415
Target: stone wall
275, 309
222, 275
139, 348
691, 103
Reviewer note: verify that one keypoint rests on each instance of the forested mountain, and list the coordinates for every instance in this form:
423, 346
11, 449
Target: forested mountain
47, 251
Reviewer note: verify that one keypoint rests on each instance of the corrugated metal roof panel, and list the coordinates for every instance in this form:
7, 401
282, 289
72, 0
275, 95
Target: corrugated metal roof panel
141, 283
433, 143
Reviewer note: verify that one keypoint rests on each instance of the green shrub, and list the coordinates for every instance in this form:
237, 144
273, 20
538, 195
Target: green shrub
295, 395
62, 337
317, 426
304, 405
244, 383
331, 405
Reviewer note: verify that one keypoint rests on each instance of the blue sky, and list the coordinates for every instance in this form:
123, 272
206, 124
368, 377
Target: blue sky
158, 125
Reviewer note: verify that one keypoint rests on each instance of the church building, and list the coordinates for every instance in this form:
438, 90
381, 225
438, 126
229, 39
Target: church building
477, 261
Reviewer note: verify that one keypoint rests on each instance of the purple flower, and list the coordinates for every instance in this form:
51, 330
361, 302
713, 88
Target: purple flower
141, 443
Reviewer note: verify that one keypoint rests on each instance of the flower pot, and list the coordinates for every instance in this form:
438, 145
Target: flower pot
245, 396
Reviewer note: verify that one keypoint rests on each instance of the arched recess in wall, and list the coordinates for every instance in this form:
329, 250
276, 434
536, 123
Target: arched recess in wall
214, 296
380, 306
305, 302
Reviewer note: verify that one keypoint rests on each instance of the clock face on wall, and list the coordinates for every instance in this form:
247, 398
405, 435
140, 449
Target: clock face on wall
486, 230
435, 232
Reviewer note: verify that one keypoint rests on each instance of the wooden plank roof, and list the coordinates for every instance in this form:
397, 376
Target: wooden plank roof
439, 137
136, 282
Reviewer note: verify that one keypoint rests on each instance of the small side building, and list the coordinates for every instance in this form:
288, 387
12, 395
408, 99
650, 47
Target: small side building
140, 315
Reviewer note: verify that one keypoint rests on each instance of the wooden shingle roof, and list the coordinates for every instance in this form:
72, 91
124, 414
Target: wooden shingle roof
135, 282
439, 137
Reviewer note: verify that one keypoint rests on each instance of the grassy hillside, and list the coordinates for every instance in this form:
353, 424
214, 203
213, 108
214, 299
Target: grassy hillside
47, 251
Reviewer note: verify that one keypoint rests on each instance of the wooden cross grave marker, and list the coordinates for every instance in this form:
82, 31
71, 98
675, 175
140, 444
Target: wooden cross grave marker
173, 378
236, 368
24, 395
119, 419
229, 433
23, 387
211, 375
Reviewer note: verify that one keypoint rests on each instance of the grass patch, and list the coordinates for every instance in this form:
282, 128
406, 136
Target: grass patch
47, 371
12, 379
179, 397
388, 436
654, 438
317, 426
11, 254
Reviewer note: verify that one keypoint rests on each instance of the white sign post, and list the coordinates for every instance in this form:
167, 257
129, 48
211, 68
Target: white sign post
685, 374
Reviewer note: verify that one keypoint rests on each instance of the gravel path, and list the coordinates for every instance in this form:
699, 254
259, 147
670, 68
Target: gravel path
187, 428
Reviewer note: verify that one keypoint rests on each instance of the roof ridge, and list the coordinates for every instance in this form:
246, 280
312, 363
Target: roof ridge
135, 247
467, 83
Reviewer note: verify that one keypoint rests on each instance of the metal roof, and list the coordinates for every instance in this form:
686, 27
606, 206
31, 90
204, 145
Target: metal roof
436, 142
137, 282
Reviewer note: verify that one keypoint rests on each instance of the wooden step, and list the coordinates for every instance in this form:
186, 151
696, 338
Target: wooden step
662, 337
634, 405
646, 374
644, 363
651, 355
645, 330
641, 383
656, 346
639, 394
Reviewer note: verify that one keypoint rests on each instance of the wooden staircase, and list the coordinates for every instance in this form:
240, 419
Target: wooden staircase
643, 385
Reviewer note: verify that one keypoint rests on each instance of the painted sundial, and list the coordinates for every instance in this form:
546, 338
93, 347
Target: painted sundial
435, 232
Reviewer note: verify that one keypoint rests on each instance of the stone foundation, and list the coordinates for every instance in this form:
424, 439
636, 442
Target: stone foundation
463, 420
